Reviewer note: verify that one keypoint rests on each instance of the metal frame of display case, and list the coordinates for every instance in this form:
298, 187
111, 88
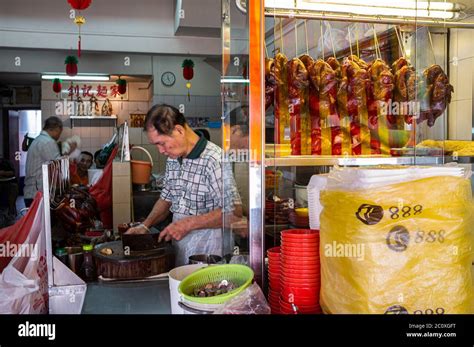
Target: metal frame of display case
256, 13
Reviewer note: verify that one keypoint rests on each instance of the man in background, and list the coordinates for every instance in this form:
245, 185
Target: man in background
43, 149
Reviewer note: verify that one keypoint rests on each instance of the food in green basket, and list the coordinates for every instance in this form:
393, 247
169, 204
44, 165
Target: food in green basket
214, 289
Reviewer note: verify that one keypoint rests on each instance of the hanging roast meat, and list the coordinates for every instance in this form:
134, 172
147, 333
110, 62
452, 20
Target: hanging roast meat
405, 92
437, 94
313, 102
297, 106
282, 117
352, 102
270, 83
379, 94
77, 210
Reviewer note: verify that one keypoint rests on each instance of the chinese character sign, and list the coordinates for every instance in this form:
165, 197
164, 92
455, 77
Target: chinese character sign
101, 91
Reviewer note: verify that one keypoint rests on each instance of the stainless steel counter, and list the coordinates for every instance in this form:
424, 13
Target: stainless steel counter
150, 297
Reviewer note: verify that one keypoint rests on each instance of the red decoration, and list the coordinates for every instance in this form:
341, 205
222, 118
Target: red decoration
188, 69
79, 4
122, 86
57, 85
188, 73
71, 65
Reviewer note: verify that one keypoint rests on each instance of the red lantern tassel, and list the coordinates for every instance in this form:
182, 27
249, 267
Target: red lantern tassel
189, 96
79, 47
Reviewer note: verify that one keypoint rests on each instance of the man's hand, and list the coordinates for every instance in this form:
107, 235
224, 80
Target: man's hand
137, 230
72, 147
175, 231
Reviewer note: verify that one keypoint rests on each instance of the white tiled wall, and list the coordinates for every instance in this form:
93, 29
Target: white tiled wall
461, 69
95, 133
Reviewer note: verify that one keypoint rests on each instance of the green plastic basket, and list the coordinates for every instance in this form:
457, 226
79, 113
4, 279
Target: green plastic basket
241, 275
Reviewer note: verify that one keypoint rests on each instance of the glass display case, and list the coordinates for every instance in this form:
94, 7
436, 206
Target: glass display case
309, 85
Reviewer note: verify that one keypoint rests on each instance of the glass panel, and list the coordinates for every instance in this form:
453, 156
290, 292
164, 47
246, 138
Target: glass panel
235, 110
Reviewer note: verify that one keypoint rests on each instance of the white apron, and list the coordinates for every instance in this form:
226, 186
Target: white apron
202, 241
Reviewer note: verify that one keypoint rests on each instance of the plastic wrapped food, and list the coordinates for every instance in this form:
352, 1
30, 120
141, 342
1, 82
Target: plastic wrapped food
398, 248
250, 301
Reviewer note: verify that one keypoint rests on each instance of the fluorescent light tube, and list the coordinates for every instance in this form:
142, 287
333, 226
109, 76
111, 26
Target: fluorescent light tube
381, 8
76, 78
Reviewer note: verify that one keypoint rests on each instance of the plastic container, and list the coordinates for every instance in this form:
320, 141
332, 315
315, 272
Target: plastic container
175, 277
141, 170
301, 196
315, 186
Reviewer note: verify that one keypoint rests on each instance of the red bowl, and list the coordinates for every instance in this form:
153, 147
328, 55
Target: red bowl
303, 243
301, 284
294, 268
313, 273
290, 245
274, 281
273, 251
273, 294
302, 292
287, 306
303, 302
293, 260
297, 269
274, 268
289, 268
297, 277
276, 287
299, 249
299, 234
302, 255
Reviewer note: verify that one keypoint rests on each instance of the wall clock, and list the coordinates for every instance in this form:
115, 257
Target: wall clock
168, 78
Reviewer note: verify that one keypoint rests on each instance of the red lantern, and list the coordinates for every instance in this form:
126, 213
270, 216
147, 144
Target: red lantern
71, 65
188, 69
188, 73
122, 86
79, 4
57, 85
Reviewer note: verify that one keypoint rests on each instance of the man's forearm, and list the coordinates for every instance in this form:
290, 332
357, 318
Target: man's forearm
159, 213
211, 220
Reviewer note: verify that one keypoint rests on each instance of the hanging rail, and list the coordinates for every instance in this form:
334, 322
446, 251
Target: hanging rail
303, 14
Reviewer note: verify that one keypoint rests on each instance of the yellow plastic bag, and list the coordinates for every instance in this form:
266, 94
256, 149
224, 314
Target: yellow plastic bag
403, 248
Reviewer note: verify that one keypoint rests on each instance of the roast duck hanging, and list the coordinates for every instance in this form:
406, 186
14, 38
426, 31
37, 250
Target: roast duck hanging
76, 209
400, 83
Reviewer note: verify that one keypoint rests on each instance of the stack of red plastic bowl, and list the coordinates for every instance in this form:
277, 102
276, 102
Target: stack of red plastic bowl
274, 272
300, 271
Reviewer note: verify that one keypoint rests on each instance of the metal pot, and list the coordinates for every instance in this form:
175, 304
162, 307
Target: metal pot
205, 259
